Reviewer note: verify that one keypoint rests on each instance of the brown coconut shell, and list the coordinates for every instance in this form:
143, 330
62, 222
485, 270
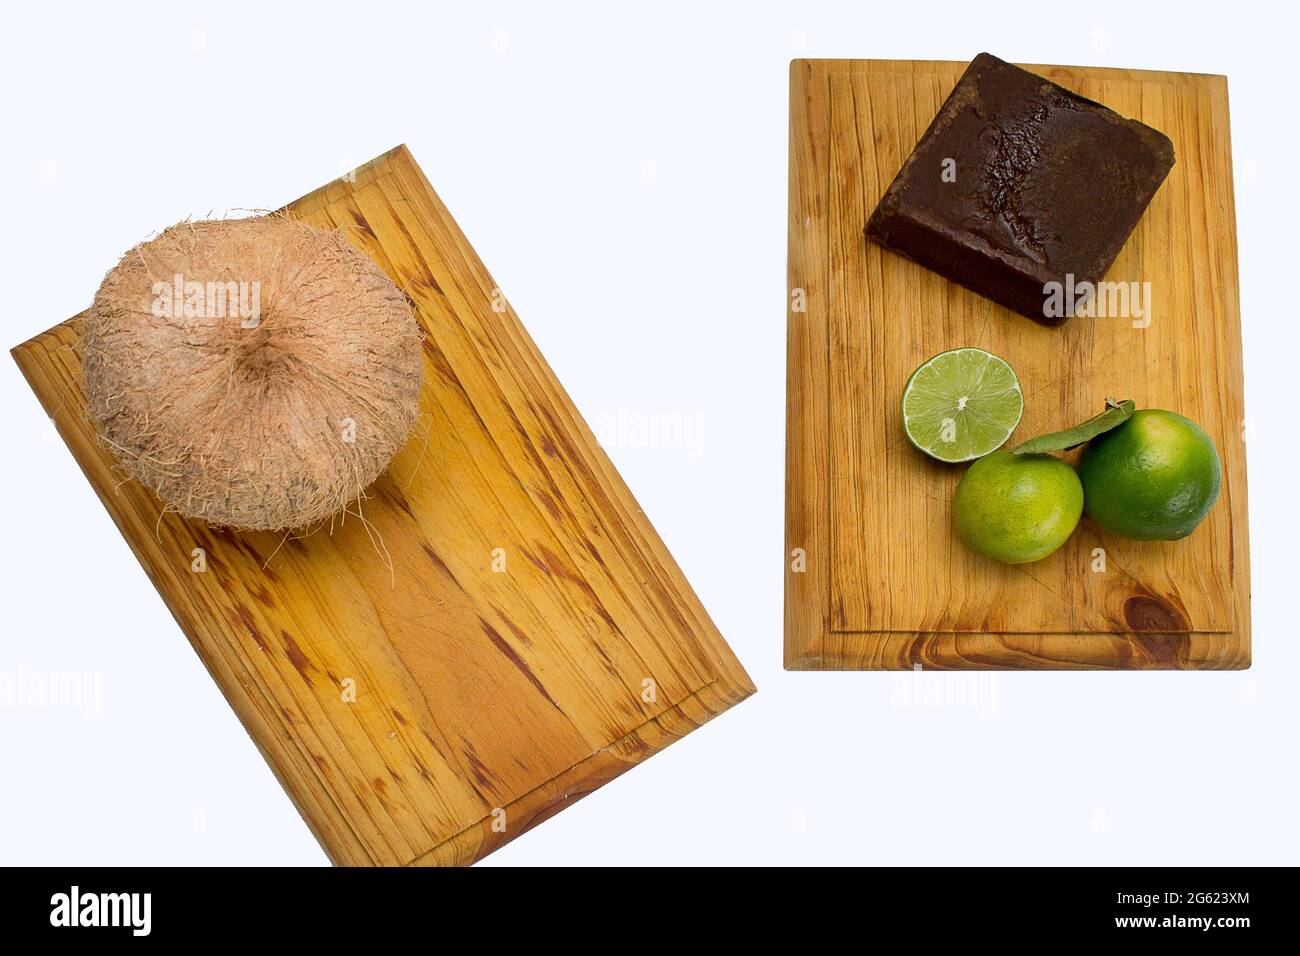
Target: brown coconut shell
264, 406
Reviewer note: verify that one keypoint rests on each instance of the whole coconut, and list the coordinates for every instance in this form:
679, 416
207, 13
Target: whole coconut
256, 373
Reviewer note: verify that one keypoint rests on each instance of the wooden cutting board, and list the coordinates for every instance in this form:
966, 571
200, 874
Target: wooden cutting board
504, 632
874, 576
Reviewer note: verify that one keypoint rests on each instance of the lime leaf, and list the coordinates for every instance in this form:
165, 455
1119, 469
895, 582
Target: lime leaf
1116, 413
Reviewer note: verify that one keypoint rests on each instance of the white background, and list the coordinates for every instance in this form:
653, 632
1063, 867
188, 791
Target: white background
653, 288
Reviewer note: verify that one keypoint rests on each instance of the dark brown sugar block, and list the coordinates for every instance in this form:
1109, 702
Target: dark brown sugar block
1019, 183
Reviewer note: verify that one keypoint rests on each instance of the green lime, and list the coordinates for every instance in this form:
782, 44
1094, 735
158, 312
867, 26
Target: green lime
1017, 508
961, 405
1152, 478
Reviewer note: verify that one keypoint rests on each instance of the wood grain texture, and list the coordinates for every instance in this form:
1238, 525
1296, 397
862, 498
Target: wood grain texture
884, 582
486, 699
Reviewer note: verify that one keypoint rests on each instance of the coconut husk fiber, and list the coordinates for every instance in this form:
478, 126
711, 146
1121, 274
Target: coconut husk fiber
255, 373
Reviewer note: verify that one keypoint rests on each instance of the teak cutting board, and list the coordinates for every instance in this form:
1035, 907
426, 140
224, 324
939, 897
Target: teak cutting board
532, 638
875, 578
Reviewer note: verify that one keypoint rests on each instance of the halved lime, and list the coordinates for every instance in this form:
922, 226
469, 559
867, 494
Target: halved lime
961, 405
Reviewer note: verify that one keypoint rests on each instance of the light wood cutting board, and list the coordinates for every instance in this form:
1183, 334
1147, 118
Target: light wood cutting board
520, 637
875, 578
